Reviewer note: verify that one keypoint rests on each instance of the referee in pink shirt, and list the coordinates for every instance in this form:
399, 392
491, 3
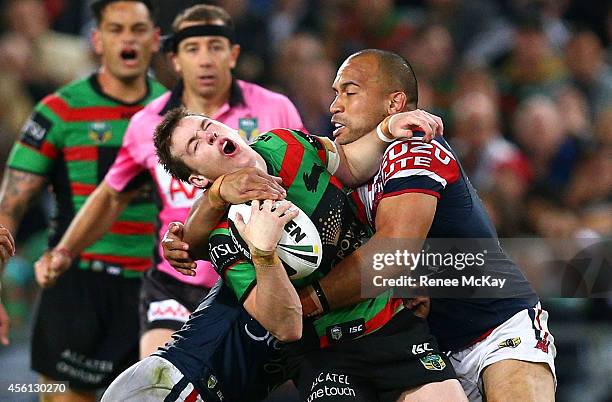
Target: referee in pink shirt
204, 52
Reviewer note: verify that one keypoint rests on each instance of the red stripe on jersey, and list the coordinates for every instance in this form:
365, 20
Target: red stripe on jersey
323, 151
132, 263
83, 153
432, 157
222, 225
412, 190
89, 113
293, 157
132, 228
82, 188
333, 180
47, 149
374, 323
193, 396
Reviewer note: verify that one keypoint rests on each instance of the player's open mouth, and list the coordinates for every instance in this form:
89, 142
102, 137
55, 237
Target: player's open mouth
228, 147
129, 56
337, 128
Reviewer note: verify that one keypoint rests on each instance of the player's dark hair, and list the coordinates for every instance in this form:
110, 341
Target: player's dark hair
162, 138
204, 13
398, 73
98, 6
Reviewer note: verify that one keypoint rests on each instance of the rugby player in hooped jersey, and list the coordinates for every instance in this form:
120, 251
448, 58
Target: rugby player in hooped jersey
221, 348
438, 201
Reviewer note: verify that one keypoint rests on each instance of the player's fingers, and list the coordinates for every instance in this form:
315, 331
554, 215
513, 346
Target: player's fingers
289, 215
267, 205
6, 243
255, 204
273, 181
174, 244
439, 123
186, 271
175, 229
431, 125
178, 255
189, 265
239, 221
282, 207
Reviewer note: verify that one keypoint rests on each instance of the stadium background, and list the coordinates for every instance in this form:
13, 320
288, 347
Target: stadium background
525, 89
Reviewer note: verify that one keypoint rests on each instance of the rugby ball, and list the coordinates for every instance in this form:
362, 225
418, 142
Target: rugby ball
299, 248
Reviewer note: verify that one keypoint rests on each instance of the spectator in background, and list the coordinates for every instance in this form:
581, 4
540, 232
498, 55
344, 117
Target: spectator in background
531, 67
364, 24
312, 92
554, 154
432, 52
54, 58
495, 165
584, 56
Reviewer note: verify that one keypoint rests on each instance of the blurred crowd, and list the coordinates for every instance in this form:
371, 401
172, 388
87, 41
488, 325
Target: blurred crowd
524, 87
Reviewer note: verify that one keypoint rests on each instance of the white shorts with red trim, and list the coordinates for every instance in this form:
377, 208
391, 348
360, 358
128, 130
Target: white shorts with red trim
525, 336
151, 379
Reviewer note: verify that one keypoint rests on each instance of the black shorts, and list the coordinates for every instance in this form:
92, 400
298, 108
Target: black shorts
166, 302
86, 328
378, 367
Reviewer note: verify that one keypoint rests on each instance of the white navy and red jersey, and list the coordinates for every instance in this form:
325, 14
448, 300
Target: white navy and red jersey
432, 168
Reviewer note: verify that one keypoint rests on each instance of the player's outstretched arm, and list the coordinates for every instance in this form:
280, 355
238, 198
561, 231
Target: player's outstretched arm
92, 221
407, 216
360, 159
273, 301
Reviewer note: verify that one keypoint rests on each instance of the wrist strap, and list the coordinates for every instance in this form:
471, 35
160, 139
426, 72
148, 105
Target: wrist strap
382, 135
266, 260
316, 286
214, 194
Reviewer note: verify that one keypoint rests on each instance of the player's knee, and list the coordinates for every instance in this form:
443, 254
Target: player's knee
516, 380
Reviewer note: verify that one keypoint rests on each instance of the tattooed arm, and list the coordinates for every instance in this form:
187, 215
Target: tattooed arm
16, 194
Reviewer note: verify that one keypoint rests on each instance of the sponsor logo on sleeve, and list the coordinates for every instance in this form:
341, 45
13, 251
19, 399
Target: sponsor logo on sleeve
35, 130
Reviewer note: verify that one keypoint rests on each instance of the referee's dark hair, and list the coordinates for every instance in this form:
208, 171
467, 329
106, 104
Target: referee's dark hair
98, 6
398, 72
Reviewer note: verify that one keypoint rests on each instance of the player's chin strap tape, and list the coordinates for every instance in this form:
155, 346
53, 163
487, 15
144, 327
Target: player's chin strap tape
171, 42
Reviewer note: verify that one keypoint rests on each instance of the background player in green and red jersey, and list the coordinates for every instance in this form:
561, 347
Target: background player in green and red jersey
86, 329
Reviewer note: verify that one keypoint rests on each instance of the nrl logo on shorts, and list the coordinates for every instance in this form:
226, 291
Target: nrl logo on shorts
510, 343
433, 362
336, 333
212, 382
100, 132
247, 127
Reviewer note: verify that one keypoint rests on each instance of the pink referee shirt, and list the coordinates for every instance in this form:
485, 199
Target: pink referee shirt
251, 109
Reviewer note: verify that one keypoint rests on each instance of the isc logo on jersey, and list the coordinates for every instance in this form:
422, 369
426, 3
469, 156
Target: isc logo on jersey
300, 246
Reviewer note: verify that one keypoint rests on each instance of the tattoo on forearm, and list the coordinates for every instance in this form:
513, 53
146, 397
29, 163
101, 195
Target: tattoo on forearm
17, 192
